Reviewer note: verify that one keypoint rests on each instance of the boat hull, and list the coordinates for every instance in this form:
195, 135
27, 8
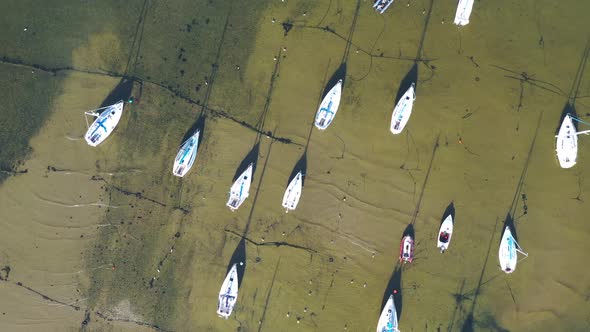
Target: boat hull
444, 234
507, 252
402, 111
186, 156
406, 249
228, 294
567, 143
388, 319
464, 8
328, 107
240, 190
293, 192
104, 125
382, 5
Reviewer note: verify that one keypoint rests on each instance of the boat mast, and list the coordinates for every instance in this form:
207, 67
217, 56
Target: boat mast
93, 113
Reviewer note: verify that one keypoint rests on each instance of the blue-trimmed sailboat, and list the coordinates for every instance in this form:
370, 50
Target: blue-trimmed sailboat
105, 123
508, 251
388, 319
240, 189
328, 107
186, 155
228, 294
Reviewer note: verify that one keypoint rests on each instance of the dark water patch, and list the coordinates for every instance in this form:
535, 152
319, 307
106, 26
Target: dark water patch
211, 50
27, 103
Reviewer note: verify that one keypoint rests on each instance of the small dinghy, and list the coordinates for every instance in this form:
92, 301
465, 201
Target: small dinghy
105, 123
329, 107
186, 155
406, 249
388, 318
382, 5
293, 192
444, 234
507, 253
228, 293
567, 143
403, 110
463, 12
240, 189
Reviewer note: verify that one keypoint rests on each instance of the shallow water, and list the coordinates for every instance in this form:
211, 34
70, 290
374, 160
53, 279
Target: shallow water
107, 239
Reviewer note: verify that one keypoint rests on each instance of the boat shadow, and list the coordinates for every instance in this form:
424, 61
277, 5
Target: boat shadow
406, 82
122, 91
239, 258
339, 74
569, 108
394, 286
509, 222
409, 231
250, 158
197, 125
301, 165
449, 211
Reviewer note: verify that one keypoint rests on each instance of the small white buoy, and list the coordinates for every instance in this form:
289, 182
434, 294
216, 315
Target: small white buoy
26, 29
241, 263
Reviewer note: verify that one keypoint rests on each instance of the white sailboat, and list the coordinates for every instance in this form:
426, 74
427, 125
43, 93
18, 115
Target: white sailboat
105, 123
293, 192
444, 234
382, 5
228, 293
567, 143
464, 8
240, 189
186, 155
508, 251
388, 318
328, 107
403, 110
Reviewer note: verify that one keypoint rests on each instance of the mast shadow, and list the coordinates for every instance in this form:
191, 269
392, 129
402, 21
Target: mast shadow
122, 91
301, 165
197, 125
239, 258
406, 82
394, 284
339, 74
250, 158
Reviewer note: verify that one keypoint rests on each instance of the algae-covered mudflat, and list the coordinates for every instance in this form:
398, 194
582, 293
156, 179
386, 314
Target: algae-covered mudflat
107, 239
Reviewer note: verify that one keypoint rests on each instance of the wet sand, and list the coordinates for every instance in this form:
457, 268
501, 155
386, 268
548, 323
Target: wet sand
109, 235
